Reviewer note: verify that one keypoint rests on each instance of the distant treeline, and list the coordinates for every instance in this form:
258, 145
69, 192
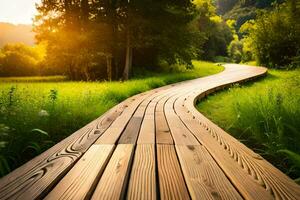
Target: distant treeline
272, 38
106, 39
88, 40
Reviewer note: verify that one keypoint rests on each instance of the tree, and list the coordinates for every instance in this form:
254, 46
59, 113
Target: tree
216, 31
20, 60
275, 35
235, 50
119, 31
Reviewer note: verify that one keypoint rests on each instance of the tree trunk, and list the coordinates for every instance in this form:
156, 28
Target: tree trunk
71, 71
109, 67
128, 61
87, 74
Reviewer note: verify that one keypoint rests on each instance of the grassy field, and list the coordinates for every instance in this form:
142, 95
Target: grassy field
30, 79
37, 112
265, 115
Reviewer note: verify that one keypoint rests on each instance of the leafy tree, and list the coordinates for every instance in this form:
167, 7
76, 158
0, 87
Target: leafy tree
88, 36
20, 60
216, 31
235, 50
276, 35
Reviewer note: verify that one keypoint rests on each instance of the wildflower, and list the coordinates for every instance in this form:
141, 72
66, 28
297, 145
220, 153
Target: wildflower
4, 129
2, 109
43, 113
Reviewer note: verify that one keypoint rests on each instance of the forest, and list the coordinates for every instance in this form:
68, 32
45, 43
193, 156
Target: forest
109, 40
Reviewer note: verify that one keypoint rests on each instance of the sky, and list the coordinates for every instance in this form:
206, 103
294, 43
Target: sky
17, 11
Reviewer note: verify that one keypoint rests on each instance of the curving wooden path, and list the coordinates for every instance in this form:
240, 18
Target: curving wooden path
154, 145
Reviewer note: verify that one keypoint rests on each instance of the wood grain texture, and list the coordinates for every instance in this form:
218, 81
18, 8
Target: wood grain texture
163, 134
114, 131
180, 133
204, 178
245, 169
171, 181
113, 182
136, 109
131, 132
208, 163
147, 132
35, 178
81, 180
142, 184
253, 176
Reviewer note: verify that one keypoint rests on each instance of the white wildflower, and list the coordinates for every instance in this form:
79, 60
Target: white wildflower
43, 113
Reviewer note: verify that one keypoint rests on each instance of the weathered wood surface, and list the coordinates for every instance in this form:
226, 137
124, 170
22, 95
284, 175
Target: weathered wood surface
154, 145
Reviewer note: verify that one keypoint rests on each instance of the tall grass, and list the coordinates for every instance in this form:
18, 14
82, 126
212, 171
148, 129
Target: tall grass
33, 79
35, 115
265, 115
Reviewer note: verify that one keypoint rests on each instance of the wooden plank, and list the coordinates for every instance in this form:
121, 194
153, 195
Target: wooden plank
147, 132
171, 181
163, 134
113, 133
137, 110
180, 133
204, 178
130, 134
81, 180
142, 183
113, 182
36, 177
253, 176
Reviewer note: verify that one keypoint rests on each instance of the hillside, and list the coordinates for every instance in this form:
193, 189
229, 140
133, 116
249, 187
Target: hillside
242, 11
10, 33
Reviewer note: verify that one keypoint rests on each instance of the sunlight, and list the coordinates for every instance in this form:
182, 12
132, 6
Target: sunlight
18, 11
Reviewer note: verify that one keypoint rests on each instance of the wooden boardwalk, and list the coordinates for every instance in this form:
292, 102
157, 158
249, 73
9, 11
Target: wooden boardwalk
154, 145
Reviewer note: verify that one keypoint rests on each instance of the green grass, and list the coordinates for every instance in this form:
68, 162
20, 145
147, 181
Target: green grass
33, 79
35, 115
265, 115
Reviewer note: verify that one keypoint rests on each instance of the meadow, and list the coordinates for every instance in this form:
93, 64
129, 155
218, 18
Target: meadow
264, 115
38, 112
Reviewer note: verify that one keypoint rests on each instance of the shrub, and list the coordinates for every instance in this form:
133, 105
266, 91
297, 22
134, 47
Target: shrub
20, 60
276, 35
235, 50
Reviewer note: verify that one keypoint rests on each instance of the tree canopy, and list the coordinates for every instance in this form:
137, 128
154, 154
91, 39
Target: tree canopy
93, 37
110, 39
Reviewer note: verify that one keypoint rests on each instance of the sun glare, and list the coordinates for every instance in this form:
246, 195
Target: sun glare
17, 11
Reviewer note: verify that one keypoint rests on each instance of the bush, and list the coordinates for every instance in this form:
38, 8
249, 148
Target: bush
235, 50
276, 36
221, 59
20, 60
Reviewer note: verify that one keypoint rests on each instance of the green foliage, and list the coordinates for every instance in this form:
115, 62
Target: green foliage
275, 37
235, 51
242, 11
293, 156
240, 50
20, 59
35, 115
216, 31
90, 40
264, 115
28, 79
